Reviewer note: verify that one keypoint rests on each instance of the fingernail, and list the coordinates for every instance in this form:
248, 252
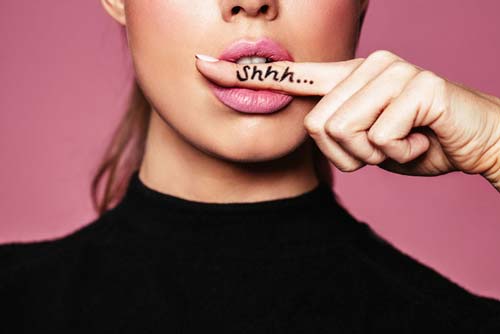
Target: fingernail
206, 58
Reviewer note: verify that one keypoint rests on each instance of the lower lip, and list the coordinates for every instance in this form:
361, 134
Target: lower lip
251, 101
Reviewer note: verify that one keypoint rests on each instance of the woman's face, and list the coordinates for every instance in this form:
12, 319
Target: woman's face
164, 36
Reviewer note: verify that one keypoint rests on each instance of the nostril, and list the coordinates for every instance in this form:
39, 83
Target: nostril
235, 10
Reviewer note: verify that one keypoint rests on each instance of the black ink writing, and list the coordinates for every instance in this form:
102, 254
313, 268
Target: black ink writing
271, 71
245, 68
248, 73
258, 72
287, 74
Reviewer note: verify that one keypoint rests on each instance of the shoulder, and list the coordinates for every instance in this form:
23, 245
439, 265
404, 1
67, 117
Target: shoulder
45, 281
16, 257
422, 287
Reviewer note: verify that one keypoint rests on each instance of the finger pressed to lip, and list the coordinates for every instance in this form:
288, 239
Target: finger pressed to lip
295, 78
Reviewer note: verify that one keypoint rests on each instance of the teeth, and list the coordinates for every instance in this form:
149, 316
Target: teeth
252, 60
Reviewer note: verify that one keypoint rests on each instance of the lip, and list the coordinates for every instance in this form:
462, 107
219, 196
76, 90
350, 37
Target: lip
250, 100
264, 47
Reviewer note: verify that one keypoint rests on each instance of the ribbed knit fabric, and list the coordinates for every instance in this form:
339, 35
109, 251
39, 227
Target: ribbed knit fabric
158, 263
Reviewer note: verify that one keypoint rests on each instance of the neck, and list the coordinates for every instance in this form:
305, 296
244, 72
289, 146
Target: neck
172, 165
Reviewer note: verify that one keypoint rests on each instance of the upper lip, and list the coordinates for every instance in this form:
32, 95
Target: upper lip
264, 47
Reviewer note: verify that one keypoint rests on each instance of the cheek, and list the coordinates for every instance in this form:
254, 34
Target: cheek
327, 29
157, 29
162, 37
169, 25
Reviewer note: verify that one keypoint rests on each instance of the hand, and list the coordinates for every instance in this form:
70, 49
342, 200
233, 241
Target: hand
385, 111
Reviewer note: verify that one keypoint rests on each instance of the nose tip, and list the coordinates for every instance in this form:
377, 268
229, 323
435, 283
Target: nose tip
251, 8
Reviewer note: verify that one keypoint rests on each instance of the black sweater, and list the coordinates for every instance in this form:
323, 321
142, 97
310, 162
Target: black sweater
157, 263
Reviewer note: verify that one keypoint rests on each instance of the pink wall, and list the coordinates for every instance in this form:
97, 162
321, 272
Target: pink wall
64, 80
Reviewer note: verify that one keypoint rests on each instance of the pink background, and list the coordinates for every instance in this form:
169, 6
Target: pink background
64, 77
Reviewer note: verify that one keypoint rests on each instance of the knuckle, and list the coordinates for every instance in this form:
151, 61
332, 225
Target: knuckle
313, 126
399, 67
383, 56
439, 85
426, 75
337, 129
349, 167
406, 159
401, 159
377, 138
375, 158
430, 78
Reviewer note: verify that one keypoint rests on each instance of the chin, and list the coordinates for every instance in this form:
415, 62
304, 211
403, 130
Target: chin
256, 151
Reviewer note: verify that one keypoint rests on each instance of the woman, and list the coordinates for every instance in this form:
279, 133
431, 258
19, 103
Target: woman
228, 222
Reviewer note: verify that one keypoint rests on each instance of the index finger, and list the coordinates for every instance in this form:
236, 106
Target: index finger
294, 78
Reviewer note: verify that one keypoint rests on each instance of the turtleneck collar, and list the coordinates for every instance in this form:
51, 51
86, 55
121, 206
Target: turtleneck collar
138, 192
313, 217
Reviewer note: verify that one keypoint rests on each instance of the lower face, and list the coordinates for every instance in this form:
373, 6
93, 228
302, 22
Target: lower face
163, 37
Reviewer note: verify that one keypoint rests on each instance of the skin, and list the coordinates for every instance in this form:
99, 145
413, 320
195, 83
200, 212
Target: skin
378, 110
199, 149
385, 111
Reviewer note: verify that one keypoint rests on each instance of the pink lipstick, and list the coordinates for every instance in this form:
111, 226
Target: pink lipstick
250, 100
